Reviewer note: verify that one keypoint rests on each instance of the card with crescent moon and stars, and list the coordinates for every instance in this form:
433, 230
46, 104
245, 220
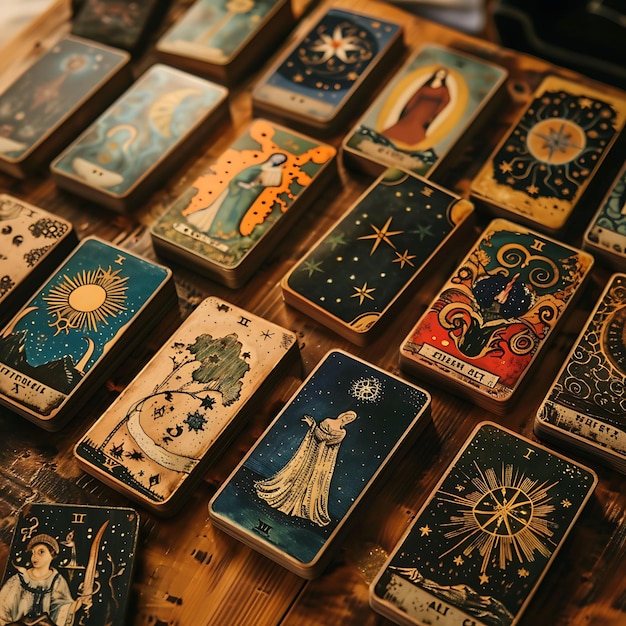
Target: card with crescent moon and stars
294, 494
120, 156
492, 318
70, 564
156, 440
370, 260
96, 305
585, 409
437, 98
485, 538
315, 82
541, 169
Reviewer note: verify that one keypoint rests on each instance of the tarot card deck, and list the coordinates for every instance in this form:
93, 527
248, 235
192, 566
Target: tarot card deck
496, 313
53, 100
157, 439
96, 306
33, 242
540, 171
125, 152
224, 40
605, 236
585, 409
329, 71
438, 98
376, 253
70, 564
292, 496
232, 216
480, 546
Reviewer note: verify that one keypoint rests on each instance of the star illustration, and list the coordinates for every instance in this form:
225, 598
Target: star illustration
424, 231
458, 560
267, 334
336, 240
311, 267
566, 504
532, 189
484, 579
207, 402
523, 573
558, 141
363, 292
404, 259
382, 234
459, 488
425, 530
506, 167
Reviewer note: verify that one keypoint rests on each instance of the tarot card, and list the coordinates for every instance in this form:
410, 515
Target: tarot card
222, 39
375, 252
541, 169
128, 149
97, 305
230, 218
482, 543
429, 105
118, 23
315, 82
55, 99
606, 234
586, 406
170, 423
293, 494
33, 242
70, 564
495, 314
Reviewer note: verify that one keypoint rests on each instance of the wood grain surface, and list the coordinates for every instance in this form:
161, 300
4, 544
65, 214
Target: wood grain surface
190, 574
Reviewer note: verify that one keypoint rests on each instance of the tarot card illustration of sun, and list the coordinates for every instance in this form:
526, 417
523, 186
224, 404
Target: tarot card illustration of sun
496, 312
58, 339
234, 211
71, 564
167, 424
586, 406
485, 538
297, 487
541, 169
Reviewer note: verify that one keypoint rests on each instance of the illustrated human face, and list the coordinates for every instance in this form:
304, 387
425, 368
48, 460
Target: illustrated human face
41, 557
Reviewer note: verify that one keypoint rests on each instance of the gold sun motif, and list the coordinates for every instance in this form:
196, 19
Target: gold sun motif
87, 300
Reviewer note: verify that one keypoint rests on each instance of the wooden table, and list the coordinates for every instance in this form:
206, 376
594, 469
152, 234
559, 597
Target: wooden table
190, 574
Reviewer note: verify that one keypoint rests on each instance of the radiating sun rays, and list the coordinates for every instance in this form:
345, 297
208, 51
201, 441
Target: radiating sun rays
86, 300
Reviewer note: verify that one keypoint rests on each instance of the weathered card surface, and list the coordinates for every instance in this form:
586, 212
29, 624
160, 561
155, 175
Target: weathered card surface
374, 252
586, 406
52, 346
69, 564
606, 234
424, 110
165, 425
297, 487
493, 316
483, 541
29, 237
540, 170
230, 212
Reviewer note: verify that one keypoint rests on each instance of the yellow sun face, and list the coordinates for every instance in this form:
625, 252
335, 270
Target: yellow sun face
87, 300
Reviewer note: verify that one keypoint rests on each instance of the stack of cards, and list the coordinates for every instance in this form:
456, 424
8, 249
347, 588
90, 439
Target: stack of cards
360, 270
330, 70
232, 216
606, 235
96, 306
70, 564
223, 39
478, 549
50, 103
585, 409
157, 439
540, 170
438, 97
496, 313
126, 152
33, 242
293, 495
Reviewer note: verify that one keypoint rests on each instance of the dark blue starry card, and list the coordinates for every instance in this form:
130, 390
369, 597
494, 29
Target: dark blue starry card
478, 549
355, 275
70, 564
297, 487
542, 167
158, 436
62, 338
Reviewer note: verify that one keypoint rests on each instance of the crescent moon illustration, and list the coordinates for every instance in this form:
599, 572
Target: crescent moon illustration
162, 111
80, 366
9, 329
